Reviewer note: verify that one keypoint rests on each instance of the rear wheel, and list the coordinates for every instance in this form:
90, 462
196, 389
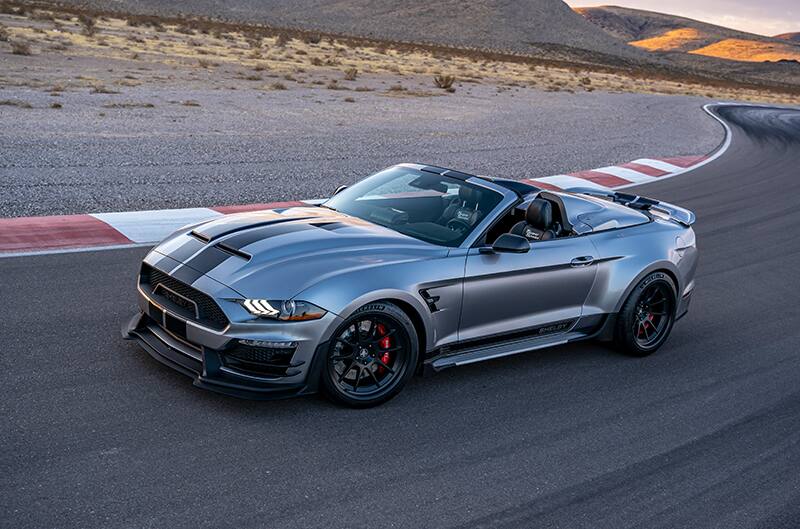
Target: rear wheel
646, 318
371, 356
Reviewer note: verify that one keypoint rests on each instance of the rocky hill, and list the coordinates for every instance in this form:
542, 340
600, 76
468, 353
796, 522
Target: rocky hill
668, 33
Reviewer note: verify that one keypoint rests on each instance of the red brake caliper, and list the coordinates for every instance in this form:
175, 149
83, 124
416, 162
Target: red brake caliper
384, 343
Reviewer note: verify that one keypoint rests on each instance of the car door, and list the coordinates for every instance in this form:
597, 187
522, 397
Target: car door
512, 292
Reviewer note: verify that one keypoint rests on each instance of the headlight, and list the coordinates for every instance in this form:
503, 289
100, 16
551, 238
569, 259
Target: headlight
289, 310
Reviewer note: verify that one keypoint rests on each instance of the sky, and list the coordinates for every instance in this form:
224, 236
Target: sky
765, 17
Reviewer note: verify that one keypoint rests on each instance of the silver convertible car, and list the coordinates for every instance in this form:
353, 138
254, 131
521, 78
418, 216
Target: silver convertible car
413, 269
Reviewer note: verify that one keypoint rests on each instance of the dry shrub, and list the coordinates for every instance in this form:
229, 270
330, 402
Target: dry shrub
277, 86
313, 38
19, 47
89, 24
102, 89
4, 36
363, 89
129, 104
397, 88
15, 103
316, 61
190, 103
205, 63
350, 74
444, 81
282, 40
56, 105
333, 84
349, 100
585, 81
260, 68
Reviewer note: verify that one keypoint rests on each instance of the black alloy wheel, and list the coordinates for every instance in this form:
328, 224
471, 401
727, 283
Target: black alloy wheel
371, 356
646, 318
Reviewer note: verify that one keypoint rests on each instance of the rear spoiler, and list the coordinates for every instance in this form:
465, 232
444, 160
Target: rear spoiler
663, 209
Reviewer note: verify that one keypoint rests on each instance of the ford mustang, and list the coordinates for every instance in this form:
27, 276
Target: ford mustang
414, 269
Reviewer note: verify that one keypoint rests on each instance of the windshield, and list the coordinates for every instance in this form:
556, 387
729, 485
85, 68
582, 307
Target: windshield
433, 208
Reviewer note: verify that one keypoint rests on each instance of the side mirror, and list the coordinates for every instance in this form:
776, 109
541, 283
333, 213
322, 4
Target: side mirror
509, 243
339, 190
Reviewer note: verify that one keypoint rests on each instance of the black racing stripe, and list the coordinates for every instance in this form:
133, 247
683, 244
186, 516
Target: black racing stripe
190, 247
207, 260
231, 224
186, 275
264, 232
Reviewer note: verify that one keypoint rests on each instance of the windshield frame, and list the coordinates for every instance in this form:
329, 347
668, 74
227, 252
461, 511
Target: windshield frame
508, 198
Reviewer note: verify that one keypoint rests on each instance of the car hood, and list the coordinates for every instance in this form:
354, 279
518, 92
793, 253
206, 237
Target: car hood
276, 254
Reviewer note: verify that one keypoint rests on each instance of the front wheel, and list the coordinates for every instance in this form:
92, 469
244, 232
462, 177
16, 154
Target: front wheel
371, 356
646, 318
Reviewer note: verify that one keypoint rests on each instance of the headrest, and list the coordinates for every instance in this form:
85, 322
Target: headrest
467, 194
539, 214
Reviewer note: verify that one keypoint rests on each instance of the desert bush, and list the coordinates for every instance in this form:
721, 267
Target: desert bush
102, 89
184, 29
282, 40
190, 103
205, 63
363, 89
129, 104
397, 88
260, 68
277, 86
56, 105
333, 84
316, 61
89, 25
585, 81
444, 81
4, 36
15, 103
19, 47
44, 16
349, 100
350, 74
313, 38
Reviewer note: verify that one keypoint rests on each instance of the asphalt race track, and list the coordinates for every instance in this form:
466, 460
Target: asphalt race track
706, 433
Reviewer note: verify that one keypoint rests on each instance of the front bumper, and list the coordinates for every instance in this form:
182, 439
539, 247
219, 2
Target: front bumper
208, 370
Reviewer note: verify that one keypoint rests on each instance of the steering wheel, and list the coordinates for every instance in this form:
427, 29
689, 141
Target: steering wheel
458, 225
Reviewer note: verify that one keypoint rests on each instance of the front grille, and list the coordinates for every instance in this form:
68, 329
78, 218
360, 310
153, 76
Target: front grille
208, 312
260, 360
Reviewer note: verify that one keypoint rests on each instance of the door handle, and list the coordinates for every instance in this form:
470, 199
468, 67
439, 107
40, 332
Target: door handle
585, 260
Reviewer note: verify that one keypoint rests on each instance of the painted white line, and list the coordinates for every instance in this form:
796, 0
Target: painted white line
565, 182
154, 225
658, 164
627, 174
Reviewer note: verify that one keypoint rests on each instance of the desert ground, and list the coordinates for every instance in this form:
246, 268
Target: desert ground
111, 114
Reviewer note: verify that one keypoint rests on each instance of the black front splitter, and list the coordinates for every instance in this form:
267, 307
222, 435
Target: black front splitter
137, 330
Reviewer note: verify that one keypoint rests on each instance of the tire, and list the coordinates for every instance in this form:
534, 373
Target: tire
370, 356
647, 316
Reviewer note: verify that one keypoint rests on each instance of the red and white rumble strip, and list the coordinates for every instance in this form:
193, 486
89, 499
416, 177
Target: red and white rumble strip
24, 235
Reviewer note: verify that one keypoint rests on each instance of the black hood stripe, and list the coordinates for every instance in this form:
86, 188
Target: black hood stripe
264, 232
187, 249
227, 225
185, 274
208, 259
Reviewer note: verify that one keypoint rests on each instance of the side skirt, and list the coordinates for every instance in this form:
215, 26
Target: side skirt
542, 337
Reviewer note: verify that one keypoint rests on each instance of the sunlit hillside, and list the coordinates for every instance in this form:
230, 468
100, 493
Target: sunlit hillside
750, 50
659, 32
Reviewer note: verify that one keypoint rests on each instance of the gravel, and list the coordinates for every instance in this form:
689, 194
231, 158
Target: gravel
245, 146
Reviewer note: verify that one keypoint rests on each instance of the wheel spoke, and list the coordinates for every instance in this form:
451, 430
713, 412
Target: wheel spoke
358, 378
372, 373
342, 357
644, 328
347, 370
345, 342
383, 365
379, 338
